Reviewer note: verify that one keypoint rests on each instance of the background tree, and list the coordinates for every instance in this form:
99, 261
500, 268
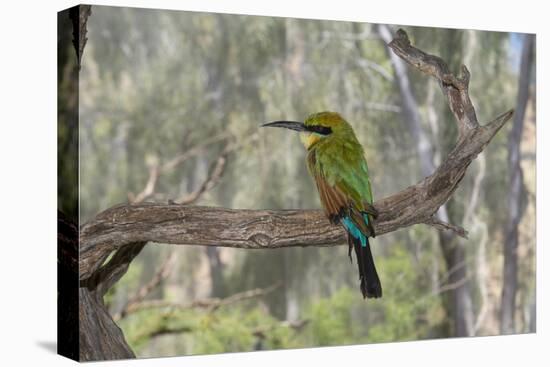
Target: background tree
516, 192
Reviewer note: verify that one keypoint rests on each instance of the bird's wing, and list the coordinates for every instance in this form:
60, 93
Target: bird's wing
338, 196
357, 182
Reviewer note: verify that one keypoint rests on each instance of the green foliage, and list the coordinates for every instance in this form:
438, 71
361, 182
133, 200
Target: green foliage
232, 329
410, 311
343, 318
235, 329
331, 319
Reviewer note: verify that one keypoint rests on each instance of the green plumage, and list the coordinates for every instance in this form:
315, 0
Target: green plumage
340, 161
336, 161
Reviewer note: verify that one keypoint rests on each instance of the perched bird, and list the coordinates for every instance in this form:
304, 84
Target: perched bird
335, 159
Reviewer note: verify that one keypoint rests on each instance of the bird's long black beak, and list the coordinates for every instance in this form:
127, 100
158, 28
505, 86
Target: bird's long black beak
292, 125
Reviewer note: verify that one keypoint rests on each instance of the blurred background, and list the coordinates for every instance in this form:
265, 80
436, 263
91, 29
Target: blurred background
170, 106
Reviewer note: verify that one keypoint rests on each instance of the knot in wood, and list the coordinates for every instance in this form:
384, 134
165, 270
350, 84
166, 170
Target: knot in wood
261, 240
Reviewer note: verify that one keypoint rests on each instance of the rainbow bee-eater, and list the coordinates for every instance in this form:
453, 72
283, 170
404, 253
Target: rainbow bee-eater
336, 161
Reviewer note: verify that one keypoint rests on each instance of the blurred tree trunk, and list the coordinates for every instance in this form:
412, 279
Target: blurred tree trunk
460, 307
216, 272
516, 194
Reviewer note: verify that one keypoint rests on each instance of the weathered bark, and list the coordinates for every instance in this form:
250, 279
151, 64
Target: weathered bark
90, 334
100, 337
516, 194
79, 17
126, 228
454, 254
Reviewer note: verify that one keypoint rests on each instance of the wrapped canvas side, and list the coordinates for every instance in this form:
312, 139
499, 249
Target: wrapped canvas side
67, 187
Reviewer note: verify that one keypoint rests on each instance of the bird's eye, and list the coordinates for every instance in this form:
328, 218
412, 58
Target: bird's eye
322, 130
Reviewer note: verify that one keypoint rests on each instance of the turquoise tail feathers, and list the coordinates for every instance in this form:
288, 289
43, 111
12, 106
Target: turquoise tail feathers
354, 231
371, 286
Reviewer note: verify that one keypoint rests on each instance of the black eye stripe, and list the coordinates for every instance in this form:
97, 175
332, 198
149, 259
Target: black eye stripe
323, 130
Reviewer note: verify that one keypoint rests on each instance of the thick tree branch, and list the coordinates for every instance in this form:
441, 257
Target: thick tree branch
99, 337
110, 273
